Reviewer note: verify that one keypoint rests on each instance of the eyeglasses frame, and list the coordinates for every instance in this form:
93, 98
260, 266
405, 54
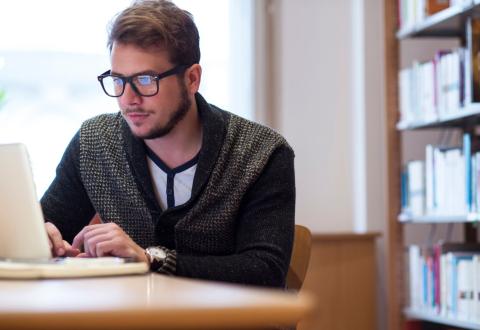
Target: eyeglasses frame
129, 79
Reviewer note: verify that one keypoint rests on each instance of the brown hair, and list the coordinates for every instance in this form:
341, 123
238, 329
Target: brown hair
158, 24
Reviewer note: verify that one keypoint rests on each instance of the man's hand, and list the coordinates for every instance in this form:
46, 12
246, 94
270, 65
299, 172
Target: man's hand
107, 239
58, 246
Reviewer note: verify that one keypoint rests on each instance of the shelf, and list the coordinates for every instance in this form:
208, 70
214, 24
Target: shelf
471, 217
448, 22
426, 316
456, 119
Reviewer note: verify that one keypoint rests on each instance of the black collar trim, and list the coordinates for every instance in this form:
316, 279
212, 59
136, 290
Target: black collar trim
164, 167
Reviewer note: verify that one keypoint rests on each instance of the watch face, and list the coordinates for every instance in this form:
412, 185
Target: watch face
158, 253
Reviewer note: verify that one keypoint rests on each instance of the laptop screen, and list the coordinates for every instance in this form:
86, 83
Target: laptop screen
22, 230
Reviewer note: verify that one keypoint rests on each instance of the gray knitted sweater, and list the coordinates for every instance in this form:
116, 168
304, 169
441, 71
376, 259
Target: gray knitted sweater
238, 224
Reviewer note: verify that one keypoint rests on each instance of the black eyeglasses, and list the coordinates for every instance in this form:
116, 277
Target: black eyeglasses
142, 84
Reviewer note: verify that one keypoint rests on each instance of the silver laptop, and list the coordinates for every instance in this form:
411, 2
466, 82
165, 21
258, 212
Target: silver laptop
24, 246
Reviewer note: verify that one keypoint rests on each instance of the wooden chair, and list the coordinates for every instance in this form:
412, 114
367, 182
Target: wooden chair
300, 258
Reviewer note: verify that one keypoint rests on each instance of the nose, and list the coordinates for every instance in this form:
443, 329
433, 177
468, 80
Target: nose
130, 97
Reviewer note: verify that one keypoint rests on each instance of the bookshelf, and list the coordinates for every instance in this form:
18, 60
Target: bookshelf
449, 22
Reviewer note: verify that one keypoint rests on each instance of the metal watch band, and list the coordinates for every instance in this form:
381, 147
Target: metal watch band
165, 265
169, 267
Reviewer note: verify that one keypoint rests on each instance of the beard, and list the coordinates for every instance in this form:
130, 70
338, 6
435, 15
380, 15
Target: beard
175, 118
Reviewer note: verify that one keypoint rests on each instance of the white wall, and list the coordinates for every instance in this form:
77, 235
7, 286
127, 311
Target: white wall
314, 97
330, 89
329, 109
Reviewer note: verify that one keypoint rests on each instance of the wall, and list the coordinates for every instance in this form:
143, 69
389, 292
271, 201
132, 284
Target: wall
328, 80
314, 95
329, 106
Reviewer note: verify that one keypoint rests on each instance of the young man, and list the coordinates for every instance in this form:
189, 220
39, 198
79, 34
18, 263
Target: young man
191, 189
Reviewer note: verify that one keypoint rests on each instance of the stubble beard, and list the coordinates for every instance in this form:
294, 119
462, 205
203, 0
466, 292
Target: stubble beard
175, 118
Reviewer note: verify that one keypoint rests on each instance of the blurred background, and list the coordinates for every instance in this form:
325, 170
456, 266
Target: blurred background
51, 52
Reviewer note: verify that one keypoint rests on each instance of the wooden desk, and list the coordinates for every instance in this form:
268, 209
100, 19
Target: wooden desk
144, 302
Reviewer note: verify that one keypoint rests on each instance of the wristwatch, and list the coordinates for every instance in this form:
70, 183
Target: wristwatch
162, 260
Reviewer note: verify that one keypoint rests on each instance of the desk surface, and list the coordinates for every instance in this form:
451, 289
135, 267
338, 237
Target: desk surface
144, 302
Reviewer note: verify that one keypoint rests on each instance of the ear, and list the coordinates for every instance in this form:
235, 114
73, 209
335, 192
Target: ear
193, 76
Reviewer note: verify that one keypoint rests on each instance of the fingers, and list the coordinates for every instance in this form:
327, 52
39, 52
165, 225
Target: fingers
90, 236
92, 242
78, 239
55, 239
106, 239
69, 251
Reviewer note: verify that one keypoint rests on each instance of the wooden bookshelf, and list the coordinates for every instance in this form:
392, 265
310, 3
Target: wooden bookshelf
449, 22
460, 117
395, 283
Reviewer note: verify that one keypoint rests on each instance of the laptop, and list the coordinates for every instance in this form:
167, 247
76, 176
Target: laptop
24, 245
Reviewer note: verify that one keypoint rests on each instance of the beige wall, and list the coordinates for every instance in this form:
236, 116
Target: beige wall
329, 103
317, 75
314, 96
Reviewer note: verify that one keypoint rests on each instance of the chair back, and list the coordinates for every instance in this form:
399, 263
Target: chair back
297, 270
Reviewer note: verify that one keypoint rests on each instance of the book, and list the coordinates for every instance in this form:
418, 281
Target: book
473, 48
475, 312
416, 187
456, 283
467, 156
464, 295
434, 6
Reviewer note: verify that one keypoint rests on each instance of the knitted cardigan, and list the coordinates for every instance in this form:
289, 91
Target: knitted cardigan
212, 232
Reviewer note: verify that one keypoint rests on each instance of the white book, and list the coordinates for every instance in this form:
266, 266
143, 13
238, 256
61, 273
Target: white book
410, 13
455, 181
404, 77
415, 92
464, 289
443, 110
467, 78
444, 280
455, 82
429, 111
415, 276
460, 195
416, 184
429, 179
476, 289
476, 187
440, 181
449, 294
420, 12
458, 282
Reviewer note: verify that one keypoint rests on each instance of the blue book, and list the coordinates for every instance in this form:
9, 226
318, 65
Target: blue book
467, 154
404, 190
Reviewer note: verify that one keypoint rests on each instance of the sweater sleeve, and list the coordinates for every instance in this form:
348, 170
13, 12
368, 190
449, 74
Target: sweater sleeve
66, 203
265, 230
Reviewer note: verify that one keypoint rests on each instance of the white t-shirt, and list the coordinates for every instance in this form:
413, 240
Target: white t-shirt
172, 187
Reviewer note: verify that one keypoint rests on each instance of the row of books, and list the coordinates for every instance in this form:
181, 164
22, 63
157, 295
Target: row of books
434, 88
444, 280
412, 12
444, 85
446, 183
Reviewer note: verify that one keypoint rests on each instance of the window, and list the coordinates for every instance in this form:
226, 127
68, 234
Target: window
50, 57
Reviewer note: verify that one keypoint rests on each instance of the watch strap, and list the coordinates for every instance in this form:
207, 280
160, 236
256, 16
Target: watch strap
169, 267
164, 266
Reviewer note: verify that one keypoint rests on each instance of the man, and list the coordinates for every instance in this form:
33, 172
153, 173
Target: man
190, 189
